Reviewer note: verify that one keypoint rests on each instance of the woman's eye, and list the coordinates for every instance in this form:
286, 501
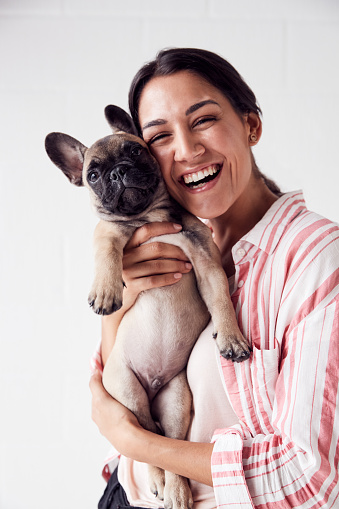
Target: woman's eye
157, 138
203, 121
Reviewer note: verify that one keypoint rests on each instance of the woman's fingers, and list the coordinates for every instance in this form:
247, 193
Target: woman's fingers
152, 251
152, 275
149, 230
154, 264
136, 252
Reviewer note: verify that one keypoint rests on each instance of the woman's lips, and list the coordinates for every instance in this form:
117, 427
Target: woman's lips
198, 179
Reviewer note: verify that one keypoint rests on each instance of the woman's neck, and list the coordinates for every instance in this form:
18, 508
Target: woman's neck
244, 214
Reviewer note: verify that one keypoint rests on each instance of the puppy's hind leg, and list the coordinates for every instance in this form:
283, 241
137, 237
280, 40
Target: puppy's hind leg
172, 407
123, 385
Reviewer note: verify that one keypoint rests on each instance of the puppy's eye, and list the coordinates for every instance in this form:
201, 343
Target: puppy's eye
93, 177
136, 151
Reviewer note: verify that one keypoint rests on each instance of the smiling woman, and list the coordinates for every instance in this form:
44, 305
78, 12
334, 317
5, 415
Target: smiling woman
247, 435
199, 131
211, 68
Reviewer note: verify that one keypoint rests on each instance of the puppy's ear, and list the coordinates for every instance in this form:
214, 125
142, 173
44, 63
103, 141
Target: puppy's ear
119, 120
67, 154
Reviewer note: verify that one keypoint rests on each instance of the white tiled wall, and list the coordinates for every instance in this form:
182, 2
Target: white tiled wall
61, 62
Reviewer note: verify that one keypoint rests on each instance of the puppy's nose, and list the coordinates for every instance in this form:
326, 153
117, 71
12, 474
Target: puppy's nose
118, 172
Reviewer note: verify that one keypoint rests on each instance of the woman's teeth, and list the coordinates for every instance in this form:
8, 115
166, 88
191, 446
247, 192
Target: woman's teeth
200, 178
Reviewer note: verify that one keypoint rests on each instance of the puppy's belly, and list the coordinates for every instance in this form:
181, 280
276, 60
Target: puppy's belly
158, 333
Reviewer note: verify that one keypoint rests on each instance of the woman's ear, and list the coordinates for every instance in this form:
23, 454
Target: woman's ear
254, 128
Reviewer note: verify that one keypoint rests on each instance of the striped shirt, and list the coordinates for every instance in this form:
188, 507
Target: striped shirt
285, 452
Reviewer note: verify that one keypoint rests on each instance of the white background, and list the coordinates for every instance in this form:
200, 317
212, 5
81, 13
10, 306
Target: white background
61, 63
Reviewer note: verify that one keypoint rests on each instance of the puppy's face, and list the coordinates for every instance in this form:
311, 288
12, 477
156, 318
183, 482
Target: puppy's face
121, 175
119, 171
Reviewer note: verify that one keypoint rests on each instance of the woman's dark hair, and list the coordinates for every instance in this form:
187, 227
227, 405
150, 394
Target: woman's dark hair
211, 67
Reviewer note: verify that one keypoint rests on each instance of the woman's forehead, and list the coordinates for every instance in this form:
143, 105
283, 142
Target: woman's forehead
177, 92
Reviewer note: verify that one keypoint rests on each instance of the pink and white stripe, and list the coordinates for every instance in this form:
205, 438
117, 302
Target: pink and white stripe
285, 453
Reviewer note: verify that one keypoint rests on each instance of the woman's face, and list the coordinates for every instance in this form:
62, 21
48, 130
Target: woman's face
200, 142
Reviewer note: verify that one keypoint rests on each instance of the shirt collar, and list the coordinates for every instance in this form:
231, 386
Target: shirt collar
268, 231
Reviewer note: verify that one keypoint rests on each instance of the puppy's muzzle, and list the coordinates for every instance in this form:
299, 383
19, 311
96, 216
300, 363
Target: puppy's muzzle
119, 172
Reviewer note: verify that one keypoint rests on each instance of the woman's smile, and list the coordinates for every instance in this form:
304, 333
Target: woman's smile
202, 178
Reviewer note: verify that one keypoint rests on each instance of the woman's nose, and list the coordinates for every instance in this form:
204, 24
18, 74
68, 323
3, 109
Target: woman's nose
187, 147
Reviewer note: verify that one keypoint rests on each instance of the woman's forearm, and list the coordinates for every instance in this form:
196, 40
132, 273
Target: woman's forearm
189, 459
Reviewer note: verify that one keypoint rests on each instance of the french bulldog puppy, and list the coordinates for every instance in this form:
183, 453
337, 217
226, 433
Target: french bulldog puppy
146, 369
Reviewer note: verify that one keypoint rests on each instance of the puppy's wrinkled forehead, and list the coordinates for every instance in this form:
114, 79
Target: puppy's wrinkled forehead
113, 146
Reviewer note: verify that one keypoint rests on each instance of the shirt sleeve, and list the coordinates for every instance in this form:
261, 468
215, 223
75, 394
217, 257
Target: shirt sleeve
95, 362
296, 465
228, 476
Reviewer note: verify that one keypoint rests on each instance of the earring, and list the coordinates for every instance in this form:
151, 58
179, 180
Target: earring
253, 138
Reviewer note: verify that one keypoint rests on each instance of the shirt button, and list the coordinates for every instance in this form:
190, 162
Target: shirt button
240, 284
241, 252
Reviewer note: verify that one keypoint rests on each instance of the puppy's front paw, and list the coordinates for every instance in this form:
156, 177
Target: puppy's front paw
105, 297
232, 346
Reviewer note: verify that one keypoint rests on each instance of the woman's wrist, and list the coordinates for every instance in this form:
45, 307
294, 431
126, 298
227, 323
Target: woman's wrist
126, 439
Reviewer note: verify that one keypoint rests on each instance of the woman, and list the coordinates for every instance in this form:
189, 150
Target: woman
264, 433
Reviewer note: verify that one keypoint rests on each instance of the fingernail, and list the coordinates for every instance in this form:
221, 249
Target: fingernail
177, 226
188, 265
178, 275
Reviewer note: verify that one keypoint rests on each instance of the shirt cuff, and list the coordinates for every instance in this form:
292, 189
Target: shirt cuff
228, 476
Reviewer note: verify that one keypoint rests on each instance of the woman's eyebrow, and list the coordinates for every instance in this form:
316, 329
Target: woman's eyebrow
152, 123
198, 105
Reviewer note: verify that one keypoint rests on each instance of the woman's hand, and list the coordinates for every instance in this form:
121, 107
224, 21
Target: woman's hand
152, 265
112, 418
